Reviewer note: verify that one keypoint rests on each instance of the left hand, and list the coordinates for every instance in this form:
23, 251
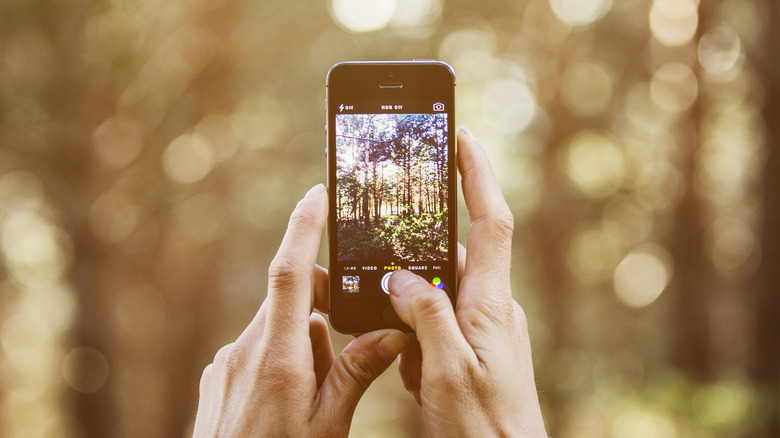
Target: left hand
280, 377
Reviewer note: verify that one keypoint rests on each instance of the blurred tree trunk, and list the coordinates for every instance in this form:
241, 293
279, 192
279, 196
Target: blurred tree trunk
102, 271
689, 337
69, 173
553, 225
767, 364
690, 288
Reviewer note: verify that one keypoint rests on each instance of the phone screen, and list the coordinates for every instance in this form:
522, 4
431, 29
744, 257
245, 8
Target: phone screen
391, 187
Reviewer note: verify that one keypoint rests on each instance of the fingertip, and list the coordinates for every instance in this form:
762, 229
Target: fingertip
392, 344
356, 367
402, 280
317, 319
315, 191
461, 261
313, 203
464, 130
416, 395
410, 367
318, 331
321, 286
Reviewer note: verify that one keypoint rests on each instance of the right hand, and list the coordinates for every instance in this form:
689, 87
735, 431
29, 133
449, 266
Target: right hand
472, 371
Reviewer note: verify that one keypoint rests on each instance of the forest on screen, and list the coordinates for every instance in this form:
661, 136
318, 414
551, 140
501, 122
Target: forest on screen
391, 200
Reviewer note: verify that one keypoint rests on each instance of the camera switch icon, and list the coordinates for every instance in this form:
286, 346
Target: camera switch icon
438, 106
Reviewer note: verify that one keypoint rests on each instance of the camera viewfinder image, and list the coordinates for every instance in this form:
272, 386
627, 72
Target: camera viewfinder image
391, 187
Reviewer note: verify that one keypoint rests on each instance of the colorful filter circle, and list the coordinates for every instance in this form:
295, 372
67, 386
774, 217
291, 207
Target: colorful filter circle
437, 283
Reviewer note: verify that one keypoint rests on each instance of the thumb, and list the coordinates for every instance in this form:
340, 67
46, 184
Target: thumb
429, 312
359, 364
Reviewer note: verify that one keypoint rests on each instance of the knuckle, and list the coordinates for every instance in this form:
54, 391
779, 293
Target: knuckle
503, 222
277, 372
487, 316
500, 224
205, 378
521, 319
496, 227
302, 216
276, 362
230, 358
222, 352
284, 270
355, 369
452, 380
317, 322
442, 376
429, 304
277, 376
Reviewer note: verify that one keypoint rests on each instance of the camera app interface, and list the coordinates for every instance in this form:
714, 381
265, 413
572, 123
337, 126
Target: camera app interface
391, 195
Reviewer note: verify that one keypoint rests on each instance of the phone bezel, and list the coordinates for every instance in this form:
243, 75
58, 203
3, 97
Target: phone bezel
361, 81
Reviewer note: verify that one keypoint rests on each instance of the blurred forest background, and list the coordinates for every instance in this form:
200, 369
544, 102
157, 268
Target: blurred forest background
152, 150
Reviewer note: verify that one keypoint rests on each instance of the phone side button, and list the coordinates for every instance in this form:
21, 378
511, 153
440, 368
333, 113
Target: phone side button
390, 317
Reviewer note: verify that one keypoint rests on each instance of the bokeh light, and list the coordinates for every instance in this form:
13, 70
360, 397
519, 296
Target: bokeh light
643, 275
728, 159
723, 405
468, 50
593, 254
31, 247
118, 141
363, 15
189, 158
732, 243
85, 369
586, 88
674, 22
416, 18
21, 337
720, 52
674, 87
639, 423
508, 106
594, 163
580, 12
113, 217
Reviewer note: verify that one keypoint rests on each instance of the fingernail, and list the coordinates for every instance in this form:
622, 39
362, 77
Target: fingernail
316, 190
392, 344
467, 132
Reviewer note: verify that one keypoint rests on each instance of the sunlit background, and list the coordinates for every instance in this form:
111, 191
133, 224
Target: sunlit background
152, 150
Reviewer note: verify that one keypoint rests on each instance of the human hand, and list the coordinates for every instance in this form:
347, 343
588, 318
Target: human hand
472, 371
280, 376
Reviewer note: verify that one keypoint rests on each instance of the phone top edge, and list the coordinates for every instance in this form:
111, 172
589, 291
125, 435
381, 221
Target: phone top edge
343, 64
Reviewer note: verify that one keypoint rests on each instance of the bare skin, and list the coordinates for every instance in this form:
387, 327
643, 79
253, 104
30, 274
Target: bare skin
280, 377
469, 368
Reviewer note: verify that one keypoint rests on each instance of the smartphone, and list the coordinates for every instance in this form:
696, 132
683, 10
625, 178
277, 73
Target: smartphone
391, 185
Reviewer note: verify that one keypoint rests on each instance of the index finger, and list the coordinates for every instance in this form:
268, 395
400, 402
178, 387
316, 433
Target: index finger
490, 234
290, 274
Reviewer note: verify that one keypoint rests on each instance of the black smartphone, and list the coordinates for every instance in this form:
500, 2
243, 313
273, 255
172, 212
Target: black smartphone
391, 184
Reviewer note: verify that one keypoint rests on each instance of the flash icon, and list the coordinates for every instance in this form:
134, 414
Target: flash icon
341, 107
